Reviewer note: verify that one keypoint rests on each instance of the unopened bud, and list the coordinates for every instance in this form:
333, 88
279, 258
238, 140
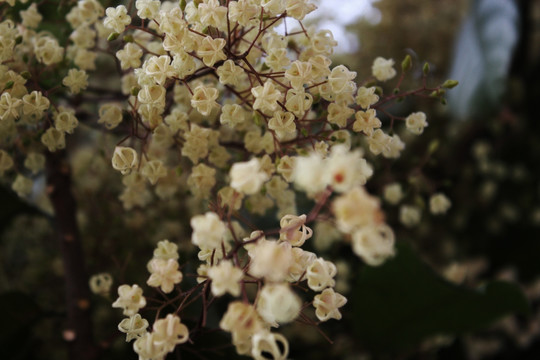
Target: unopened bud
425, 69
128, 38
433, 146
9, 85
113, 36
449, 84
406, 64
135, 90
25, 74
183, 5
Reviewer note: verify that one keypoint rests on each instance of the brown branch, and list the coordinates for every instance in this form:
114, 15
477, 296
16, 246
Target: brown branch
78, 330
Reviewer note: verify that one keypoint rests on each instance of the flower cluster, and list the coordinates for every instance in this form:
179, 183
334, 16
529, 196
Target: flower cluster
217, 102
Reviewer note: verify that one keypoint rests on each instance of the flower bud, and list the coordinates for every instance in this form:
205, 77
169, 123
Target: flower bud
449, 84
406, 64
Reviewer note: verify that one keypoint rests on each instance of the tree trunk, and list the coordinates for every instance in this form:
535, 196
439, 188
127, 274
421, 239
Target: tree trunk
78, 330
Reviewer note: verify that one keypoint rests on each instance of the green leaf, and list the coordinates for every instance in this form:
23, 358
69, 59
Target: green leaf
404, 301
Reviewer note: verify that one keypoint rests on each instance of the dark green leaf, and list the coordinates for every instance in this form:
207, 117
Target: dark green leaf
404, 301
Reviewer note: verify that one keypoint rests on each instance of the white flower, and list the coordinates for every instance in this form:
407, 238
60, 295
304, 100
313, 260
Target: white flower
383, 69
356, 209
327, 305
134, 327
247, 177
130, 298
393, 193
166, 250
117, 18
270, 260
308, 173
266, 97
320, 274
76, 80
439, 204
225, 278
416, 122
294, 229
264, 344
169, 332
165, 274
409, 215
374, 244
101, 284
124, 159
277, 303
208, 230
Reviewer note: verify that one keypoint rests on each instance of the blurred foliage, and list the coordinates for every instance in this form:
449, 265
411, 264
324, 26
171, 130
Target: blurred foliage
403, 301
423, 28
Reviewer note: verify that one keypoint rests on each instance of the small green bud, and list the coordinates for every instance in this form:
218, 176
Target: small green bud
9, 85
304, 132
449, 84
257, 119
433, 146
128, 38
378, 90
396, 91
425, 69
135, 90
443, 101
113, 36
334, 127
18, 40
183, 5
406, 64
178, 170
25, 74
333, 138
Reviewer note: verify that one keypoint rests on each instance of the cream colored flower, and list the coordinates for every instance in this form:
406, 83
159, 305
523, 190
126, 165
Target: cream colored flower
327, 305
225, 278
247, 177
117, 18
374, 244
130, 298
134, 327
383, 69
278, 304
439, 204
124, 159
320, 274
416, 122
164, 274
266, 97
211, 50
208, 230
